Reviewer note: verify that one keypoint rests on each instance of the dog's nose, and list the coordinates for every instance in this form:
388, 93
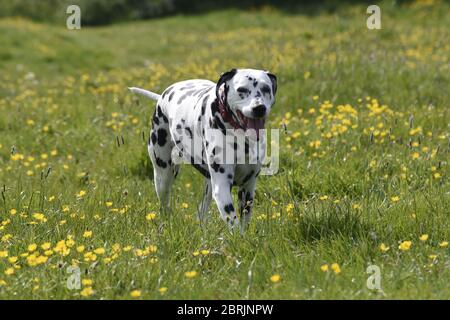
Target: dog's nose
259, 111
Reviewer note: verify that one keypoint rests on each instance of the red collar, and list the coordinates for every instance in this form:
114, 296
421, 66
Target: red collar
227, 114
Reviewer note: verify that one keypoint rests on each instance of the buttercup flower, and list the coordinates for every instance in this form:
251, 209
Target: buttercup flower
275, 278
336, 268
190, 274
383, 247
135, 293
405, 245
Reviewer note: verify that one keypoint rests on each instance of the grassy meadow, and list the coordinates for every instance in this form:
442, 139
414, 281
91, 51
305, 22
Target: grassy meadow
364, 150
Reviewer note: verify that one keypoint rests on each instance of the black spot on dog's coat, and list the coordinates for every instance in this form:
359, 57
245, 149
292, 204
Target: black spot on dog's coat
215, 107
189, 131
161, 114
161, 163
154, 138
220, 125
162, 137
167, 91
184, 96
215, 166
229, 208
202, 170
204, 105
155, 120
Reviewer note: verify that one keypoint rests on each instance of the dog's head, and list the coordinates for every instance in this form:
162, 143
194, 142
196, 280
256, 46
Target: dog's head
249, 93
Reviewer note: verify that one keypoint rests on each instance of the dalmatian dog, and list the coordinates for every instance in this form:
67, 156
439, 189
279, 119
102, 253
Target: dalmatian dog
193, 117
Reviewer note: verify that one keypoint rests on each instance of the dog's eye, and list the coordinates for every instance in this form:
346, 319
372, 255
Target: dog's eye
242, 90
265, 89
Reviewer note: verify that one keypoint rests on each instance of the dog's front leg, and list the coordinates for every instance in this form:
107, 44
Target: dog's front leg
221, 183
246, 195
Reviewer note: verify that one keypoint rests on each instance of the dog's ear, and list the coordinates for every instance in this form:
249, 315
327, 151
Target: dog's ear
273, 78
226, 76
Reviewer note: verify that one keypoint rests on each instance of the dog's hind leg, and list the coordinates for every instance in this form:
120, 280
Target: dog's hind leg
160, 151
206, 201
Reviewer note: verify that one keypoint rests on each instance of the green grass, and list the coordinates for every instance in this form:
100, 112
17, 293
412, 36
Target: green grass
364, 158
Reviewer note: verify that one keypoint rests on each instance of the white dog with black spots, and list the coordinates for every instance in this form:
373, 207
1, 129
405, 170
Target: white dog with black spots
186, 114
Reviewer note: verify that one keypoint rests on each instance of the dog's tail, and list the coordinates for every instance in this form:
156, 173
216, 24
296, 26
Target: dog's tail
145, 93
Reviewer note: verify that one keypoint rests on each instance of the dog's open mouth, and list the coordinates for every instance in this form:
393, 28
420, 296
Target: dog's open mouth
251, 123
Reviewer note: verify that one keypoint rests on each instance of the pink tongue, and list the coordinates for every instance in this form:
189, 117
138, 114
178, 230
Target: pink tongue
256, 124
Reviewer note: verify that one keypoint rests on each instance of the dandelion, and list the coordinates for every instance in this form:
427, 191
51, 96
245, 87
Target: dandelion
108, 203
395, 199
423, 237
383, 247
12, 212
80, 249
275, 278
432, 257
190, 274
3, 254
336, 268
405, 245
135, 293
32, 247
184, 205
323, 198
204, 252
